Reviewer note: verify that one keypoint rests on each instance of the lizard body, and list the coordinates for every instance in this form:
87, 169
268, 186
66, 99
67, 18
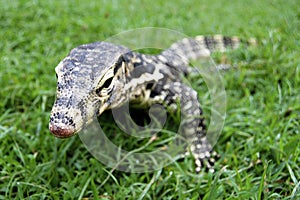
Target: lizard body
99, 76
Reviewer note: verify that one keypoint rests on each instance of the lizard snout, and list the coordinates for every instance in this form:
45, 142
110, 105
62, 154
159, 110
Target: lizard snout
61, 132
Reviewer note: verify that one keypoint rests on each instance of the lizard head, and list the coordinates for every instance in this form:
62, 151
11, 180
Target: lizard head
89, 81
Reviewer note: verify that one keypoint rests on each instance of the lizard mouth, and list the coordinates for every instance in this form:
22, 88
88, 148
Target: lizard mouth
61, 132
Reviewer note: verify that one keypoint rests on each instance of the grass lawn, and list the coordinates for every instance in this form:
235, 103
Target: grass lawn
259, 146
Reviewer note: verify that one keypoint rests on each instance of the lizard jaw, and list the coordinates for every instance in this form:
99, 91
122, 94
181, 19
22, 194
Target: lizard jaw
61, 126
61, 132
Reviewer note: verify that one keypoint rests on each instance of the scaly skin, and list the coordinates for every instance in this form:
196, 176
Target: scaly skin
100, 76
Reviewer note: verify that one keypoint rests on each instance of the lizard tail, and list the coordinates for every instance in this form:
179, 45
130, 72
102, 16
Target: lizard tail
189, 49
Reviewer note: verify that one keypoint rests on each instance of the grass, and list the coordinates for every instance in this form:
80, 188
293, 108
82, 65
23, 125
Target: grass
259, 145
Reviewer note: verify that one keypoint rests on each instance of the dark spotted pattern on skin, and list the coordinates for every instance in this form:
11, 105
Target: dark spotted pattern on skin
100, 76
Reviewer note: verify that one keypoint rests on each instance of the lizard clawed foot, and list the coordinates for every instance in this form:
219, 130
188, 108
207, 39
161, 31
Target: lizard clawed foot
207, 162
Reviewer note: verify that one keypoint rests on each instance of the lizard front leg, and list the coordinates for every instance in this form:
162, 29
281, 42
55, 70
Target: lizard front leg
192, 126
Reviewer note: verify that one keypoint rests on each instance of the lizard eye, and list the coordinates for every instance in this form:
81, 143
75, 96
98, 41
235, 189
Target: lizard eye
106, 88
107, 83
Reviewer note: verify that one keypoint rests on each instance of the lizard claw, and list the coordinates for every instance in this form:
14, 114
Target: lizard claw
207, 162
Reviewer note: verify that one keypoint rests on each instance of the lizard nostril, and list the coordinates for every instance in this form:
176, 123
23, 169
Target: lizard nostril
61, 132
